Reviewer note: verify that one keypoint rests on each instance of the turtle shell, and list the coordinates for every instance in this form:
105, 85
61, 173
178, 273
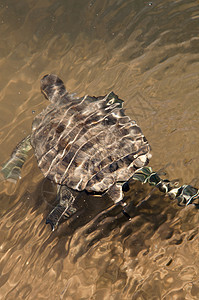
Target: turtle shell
86, 143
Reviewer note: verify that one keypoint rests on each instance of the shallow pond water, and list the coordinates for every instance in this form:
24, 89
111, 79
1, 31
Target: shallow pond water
148, 54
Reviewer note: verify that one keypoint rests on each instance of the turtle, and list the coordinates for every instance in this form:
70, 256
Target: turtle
85, 144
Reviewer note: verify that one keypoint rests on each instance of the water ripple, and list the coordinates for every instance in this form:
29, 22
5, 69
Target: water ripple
147, 52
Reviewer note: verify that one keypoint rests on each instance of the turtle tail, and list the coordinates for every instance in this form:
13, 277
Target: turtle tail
185, 194
11, 170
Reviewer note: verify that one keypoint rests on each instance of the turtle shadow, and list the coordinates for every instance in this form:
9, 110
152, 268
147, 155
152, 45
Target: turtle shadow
97, 221
97, 218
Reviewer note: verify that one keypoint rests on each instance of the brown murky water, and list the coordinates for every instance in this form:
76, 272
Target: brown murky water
148, 53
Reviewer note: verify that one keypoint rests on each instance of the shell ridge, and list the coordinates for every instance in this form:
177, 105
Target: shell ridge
90, 115
64, 175
96, 154
114, 174
85, 121
71, 142
87, 142
38, 129
120, 157
125, 125
102, 130
107, 155
57, 109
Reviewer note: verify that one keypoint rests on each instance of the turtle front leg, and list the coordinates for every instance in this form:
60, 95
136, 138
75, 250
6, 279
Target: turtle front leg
64, 209
11, 170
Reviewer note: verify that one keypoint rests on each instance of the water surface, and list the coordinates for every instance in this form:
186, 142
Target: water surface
147, 53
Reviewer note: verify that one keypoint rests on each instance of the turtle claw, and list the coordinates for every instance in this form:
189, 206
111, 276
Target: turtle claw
126, 214
53, 226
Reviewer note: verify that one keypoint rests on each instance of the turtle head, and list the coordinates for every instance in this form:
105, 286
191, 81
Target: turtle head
52, 87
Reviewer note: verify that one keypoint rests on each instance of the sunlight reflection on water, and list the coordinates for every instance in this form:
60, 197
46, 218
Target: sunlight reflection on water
147, 52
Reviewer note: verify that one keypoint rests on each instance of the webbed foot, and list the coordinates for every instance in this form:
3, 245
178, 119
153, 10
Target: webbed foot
59, 213
115, 192
64, 210
11, 170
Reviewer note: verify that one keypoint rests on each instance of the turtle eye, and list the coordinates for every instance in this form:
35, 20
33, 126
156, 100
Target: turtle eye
111, 101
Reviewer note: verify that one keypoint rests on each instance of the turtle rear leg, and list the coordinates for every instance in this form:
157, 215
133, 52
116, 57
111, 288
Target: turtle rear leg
115, 192
65, 209
11, 170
